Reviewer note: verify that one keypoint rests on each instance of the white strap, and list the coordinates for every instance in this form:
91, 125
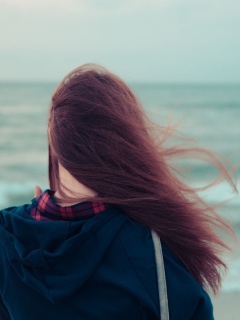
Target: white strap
162, 286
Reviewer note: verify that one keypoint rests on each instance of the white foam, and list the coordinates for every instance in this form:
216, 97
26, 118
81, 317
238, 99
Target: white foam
15, 188
221, 192
232, 280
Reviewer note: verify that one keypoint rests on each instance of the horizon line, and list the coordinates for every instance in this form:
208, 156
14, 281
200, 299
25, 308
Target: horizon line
137, 83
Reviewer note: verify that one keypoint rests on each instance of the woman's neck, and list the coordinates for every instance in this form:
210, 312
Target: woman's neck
75, 188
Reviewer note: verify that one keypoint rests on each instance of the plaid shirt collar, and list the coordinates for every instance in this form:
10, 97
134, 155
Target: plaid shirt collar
45, 208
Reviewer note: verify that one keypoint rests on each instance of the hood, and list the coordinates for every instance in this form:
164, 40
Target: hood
56, 258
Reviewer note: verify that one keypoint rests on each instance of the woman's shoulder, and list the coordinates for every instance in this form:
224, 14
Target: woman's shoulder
187, 298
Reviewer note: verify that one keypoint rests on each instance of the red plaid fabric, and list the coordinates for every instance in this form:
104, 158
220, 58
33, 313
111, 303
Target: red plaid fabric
45, 208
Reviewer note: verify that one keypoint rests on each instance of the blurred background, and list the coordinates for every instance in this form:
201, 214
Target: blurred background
179, 55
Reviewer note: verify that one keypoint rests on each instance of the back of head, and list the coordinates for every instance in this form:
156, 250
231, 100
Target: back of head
99, 132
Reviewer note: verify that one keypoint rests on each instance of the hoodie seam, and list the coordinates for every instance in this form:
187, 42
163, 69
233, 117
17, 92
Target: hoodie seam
6, 280
9, 253
133, 267
29, 208
68, 228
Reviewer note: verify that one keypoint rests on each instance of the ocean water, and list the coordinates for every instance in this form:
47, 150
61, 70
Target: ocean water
209, 114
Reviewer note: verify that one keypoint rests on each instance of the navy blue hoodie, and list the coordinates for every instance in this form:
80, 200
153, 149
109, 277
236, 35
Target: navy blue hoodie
100, 268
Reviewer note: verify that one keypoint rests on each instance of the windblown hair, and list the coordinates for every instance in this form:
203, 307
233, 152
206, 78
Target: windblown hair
99, 132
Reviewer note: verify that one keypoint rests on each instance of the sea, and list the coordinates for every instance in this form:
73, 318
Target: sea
206, 114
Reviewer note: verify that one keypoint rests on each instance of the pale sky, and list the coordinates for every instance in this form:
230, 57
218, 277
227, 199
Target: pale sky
144, 40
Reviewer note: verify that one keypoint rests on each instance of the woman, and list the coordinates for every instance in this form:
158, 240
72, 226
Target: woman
84, 249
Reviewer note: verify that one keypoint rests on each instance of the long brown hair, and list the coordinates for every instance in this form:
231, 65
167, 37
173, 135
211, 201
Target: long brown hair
99, 132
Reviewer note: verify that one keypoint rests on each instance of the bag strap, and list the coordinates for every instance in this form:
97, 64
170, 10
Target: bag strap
162, 286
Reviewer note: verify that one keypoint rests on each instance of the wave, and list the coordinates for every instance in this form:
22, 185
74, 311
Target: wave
17, 193
231, 282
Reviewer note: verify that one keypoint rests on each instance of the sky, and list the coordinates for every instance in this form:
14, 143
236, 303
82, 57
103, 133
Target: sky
187, 41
